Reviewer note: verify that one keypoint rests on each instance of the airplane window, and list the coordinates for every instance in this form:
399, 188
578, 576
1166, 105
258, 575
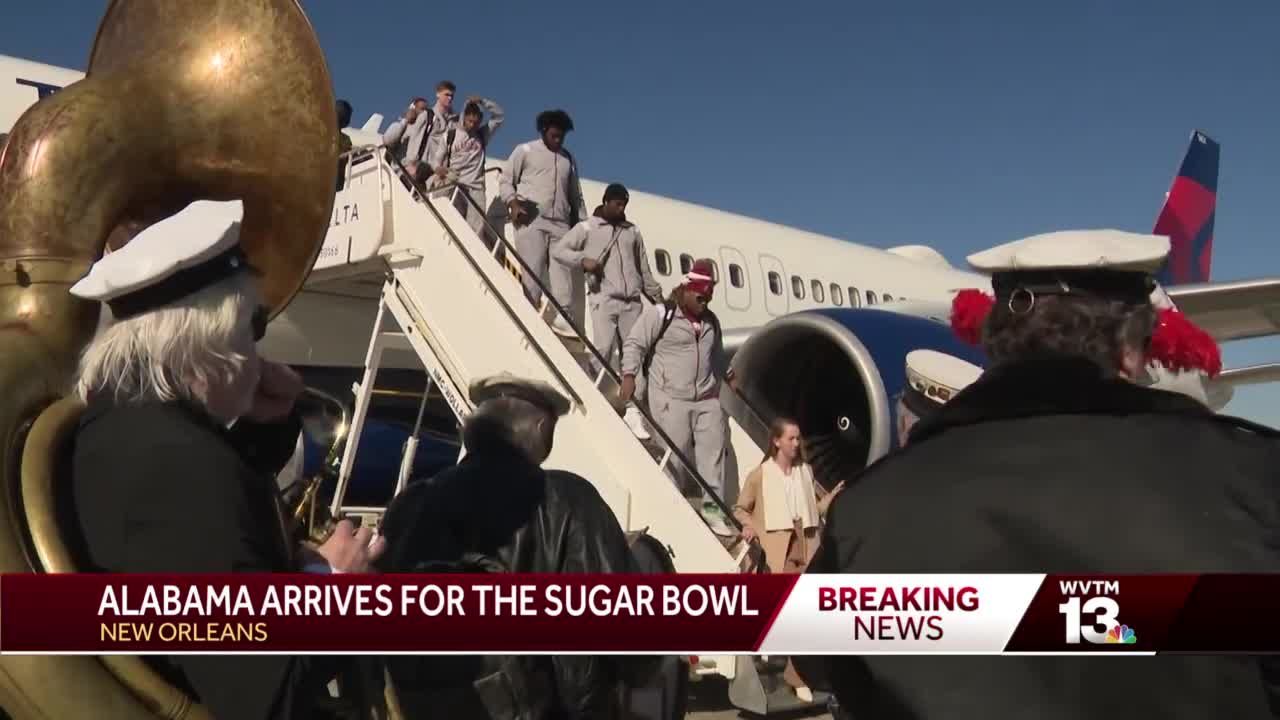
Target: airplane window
837, 295
663, 261
686, 264
855, 297
871, 298
818, 294
735, 275
775, 283
887, 297
797, 287
715, 271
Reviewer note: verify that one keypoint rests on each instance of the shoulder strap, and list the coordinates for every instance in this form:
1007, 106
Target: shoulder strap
667, 316
426, 134
448, 145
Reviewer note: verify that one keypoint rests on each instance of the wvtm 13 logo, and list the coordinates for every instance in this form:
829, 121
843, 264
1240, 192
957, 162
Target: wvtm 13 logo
1093, 613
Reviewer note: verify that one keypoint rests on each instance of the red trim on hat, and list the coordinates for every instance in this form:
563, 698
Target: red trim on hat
969, 311
1177, 343
1180, 345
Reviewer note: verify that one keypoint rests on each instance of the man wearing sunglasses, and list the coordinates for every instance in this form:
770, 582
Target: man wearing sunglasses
679, 348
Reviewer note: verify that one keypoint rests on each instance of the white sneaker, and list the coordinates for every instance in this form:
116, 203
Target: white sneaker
635, 421
715, 520
804, 694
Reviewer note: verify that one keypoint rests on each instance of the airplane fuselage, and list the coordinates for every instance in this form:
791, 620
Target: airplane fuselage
765, 270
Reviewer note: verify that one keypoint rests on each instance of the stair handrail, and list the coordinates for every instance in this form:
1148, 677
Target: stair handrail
421, 194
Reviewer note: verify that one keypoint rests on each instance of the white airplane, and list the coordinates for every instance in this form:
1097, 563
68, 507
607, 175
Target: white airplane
886, 301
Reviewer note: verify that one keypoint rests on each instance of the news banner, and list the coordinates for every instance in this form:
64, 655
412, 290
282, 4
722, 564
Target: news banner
639, 614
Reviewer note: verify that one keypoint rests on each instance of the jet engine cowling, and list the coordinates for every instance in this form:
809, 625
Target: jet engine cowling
838, 372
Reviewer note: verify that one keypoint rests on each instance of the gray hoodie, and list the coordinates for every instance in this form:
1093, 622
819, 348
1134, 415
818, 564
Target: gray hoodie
625, 273
547, 180
687, 365
466, 157
406, 139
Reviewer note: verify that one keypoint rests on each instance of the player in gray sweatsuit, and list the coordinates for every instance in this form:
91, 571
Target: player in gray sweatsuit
405, 136
463, 161
414, 137
684, 374
611, 252
544, 199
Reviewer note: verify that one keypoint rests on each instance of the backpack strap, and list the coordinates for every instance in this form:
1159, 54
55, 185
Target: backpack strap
448, 145
668, 315
426, 134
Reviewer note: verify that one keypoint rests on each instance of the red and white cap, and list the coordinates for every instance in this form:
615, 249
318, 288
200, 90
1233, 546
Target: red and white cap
701, 277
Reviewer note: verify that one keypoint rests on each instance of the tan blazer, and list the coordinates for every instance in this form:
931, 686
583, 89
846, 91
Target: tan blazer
749, 510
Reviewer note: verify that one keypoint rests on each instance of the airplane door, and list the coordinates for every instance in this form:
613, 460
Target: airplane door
776, 291
734, 278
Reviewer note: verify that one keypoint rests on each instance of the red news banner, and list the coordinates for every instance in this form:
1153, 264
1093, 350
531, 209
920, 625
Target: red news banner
638, 614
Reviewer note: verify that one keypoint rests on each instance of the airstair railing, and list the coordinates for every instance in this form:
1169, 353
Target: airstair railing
501, 243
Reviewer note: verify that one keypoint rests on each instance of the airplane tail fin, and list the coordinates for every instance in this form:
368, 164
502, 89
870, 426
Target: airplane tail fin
1188, 214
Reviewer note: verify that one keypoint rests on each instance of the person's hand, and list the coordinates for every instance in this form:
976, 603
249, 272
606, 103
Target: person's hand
351, 550
590, 265
278, 389
411, 167
442, 172
627, 389
839, 486
517, 212
748, 532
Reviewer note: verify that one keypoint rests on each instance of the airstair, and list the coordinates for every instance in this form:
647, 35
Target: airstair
456, 302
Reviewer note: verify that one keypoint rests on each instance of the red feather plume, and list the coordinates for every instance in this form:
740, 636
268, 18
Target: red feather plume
1179, 345
968, 312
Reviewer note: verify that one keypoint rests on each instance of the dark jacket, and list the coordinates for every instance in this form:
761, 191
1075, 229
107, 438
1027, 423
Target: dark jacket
159, 488
1046, 466
499, 504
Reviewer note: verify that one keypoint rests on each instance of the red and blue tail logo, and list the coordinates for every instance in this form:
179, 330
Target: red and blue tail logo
1188, 214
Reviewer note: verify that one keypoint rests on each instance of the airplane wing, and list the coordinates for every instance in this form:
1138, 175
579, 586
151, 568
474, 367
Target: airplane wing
1251, 375
1231, 310
1223, 387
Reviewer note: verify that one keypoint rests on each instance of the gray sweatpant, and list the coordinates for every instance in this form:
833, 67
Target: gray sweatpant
474, 217
533, 243
611, 321
697, 428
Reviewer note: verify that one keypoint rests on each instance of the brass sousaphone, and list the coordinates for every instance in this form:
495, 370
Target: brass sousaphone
182, 101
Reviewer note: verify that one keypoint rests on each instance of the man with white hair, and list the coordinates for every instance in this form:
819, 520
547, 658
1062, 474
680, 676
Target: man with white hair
1056, 461
183, 431
499, 511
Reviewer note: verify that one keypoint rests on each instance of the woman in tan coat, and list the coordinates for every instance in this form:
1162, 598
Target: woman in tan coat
782, 506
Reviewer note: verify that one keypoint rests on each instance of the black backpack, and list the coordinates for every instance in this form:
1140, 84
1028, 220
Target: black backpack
510, 687
667, 316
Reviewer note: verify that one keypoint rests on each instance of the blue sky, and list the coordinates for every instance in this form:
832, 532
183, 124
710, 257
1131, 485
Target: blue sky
958, 125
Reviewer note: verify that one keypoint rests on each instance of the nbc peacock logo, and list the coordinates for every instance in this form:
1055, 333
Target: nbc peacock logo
1122, 635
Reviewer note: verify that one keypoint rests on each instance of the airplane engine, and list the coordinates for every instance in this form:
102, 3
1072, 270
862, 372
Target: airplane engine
838, 372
